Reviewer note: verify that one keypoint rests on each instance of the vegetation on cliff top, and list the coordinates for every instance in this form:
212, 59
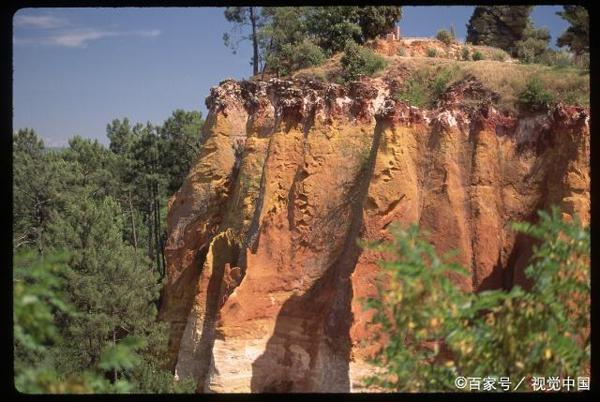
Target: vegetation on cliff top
567, 84
280, 36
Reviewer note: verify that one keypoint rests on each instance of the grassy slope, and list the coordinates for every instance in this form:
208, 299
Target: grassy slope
567, 84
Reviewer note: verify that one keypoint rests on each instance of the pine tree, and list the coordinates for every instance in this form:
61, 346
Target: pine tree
180, 137
577, 36
498, 26
36, 189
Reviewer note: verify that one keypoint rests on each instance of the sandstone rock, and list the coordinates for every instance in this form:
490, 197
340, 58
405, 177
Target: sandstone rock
265, 275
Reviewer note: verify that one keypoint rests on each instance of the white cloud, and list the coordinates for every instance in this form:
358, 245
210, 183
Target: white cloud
79, 38
38, 21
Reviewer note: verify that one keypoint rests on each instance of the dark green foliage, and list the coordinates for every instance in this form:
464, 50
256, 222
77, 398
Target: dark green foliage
535, 96
378, 20
333, 26
288, 37
86, 322
477, 55
498, 26
37, 177
179, 146
358, 60
445, 37
577, 36
516, 333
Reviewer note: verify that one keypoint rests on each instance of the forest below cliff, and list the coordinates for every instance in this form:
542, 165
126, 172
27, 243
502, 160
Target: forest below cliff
88, 233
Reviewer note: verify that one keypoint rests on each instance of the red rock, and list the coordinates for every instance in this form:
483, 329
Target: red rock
265, 277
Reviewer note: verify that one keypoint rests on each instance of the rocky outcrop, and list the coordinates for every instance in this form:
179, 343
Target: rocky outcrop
265, 275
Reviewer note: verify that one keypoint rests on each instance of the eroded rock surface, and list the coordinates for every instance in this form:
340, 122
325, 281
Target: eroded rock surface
265, 276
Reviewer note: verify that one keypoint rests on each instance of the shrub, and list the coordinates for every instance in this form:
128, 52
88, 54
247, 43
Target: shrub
431, 52
499, 55
414, 92
442, 80
477, 55
515, 333
560, 59
293, 57
529, 49
445, 37
535, 96
464, 53
401, 52
427, 85
358, 60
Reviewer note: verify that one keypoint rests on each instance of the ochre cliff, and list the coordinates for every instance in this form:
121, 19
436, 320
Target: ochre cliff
265, 275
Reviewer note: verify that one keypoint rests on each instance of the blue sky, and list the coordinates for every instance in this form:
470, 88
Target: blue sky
77, 69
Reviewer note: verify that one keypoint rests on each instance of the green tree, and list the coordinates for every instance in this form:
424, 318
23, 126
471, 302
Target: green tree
334, 26
432, 332
40, 305
358, 60
109, 282
285, 26
180, 135
577, 36
36, 177
242, 17
80, 325
499, 26
378, 20
533, 45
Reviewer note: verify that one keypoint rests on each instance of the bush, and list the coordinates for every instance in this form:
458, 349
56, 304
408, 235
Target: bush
358, 60
535, 96
427, 85
442, 79
477, 55
499, 55
401, 52
445, 37
414, 92
431, 52
512, 333
294, 57
530, 49
560, 59
464, 53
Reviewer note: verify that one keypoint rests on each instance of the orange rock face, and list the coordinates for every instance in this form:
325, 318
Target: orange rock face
266, 278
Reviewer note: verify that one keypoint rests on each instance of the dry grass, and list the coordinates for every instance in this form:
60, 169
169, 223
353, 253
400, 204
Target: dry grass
508, 79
